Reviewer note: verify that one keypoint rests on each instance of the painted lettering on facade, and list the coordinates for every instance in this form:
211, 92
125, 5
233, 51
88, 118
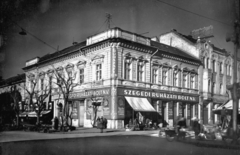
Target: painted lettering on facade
89, 93
160, 95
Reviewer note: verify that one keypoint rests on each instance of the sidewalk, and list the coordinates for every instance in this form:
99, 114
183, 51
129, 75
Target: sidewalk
13, 136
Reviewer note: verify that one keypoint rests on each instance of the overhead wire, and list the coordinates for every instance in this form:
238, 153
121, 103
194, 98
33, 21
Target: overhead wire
34, 36
193, 13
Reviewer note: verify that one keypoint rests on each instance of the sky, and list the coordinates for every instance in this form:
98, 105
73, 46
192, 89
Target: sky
59, 23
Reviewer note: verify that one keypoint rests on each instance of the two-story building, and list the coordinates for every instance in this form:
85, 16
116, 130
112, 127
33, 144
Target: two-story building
127, 73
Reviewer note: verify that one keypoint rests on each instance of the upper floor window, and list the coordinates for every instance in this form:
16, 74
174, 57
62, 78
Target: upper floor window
214, 87
204, 63
230, 70
98, 72
207, 63
214, 66
154, 76
221, 88
41, 84
140, 72
209, 86
192, 81
50, 81
221, 67
185, 80
81, 75
175, 78
127, 69
164, 76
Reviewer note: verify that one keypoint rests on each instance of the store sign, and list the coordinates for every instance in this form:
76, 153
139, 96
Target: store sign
160, 95
89, 93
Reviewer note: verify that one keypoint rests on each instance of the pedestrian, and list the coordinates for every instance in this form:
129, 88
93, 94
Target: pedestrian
223, 115
196, 126
101, 124
105, 123
56, 122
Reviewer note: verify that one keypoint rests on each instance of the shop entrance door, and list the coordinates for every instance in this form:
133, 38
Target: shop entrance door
81, 113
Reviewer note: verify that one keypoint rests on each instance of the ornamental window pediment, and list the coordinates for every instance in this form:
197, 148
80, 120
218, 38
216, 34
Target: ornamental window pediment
166, 65
50, 72
156, 64
81, 64
59, 69
31, 76
41, 75
69, 66
98, 59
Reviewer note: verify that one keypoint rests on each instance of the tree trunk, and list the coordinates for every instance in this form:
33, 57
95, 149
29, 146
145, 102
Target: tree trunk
38, 118
17, 121
95, 115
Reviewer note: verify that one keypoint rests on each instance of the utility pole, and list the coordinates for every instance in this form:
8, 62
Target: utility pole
233, 88
109, 17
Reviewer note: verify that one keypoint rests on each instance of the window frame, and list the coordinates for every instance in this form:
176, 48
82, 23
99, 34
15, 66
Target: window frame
98, 72
81, 76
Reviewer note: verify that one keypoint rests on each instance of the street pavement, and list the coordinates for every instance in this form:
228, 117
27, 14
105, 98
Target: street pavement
14, 136
91, 141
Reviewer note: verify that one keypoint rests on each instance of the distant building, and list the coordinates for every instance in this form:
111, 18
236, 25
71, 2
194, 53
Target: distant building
129, 74
19, 82
215, 71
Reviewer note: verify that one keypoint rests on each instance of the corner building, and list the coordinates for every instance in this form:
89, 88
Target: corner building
129, 74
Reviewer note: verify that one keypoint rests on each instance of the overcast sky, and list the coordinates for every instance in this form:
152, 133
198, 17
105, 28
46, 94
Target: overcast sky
59, 23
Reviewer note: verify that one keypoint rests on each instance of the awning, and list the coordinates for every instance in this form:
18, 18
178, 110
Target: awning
33, 113
228, 105
140, 104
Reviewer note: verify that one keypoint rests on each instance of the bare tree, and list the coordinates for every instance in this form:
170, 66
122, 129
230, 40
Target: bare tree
95, 106
39, 95
65, 83
16, 97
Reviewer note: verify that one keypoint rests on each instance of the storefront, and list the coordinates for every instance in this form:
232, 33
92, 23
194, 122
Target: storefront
167, 105
82, 107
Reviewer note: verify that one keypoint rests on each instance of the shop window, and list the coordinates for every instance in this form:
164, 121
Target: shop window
192, 81
164, 76
154, 75
81, 75
98, 72
127, 69
140, 71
